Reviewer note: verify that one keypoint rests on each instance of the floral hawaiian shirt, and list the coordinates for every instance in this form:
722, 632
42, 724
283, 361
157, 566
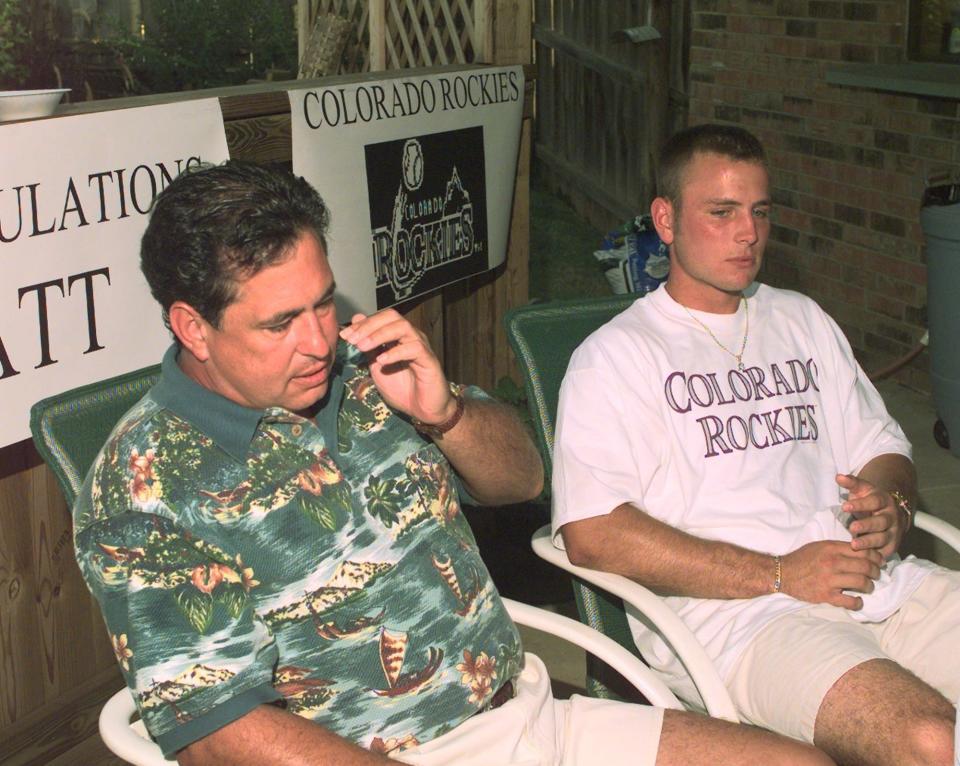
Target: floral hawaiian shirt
243, 557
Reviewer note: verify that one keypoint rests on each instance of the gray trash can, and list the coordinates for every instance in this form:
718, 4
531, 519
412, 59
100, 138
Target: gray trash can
940, 218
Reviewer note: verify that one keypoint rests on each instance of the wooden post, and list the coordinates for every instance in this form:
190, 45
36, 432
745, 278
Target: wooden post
303, 26
136, 17
476, 348
377, 24
483, 31
512, 33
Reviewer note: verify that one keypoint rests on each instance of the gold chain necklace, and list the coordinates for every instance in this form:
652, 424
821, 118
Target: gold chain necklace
746, 332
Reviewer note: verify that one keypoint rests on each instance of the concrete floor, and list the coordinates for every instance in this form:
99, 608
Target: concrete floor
939, 482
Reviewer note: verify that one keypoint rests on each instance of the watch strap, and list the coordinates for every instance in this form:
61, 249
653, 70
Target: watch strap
437, 430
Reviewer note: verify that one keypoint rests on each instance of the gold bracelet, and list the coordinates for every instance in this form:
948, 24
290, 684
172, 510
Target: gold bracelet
778, 577
902, 502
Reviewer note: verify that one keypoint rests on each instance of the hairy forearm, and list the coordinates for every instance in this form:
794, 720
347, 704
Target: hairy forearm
269, 736
494, 454
667, 560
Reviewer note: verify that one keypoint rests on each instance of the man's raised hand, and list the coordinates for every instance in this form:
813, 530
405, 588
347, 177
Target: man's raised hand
403, 366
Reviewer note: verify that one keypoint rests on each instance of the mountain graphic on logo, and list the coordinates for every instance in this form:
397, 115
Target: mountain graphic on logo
456, 196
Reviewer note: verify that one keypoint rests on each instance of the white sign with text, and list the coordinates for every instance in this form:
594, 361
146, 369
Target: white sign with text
418, 173
75, 193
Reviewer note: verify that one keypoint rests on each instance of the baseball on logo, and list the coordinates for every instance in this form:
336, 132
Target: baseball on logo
412, 165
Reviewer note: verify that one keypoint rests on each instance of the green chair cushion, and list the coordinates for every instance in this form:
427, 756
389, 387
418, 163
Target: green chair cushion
70, 428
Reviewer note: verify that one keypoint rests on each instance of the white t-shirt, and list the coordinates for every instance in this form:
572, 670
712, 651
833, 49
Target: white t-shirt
654, 413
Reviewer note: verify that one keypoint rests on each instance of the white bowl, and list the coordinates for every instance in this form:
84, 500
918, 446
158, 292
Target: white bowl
24, 104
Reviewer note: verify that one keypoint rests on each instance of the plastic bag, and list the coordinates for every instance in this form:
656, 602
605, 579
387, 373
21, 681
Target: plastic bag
636, 260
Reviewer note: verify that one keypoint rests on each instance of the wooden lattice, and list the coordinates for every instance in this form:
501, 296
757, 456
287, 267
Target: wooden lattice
325, 45
410, 33
356, 53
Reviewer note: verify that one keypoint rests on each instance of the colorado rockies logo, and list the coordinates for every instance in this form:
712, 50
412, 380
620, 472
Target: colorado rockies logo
427, 211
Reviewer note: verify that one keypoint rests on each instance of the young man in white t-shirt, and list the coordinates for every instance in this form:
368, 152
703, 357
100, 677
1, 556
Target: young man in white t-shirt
718, 442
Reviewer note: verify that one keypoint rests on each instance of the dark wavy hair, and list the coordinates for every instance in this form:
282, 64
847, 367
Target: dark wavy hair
218, 224
679, 150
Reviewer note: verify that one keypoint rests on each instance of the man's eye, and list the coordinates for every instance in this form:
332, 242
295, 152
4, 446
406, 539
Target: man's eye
278, 328
720, 213
762, 212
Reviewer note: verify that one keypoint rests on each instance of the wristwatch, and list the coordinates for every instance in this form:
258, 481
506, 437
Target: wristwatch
437, 430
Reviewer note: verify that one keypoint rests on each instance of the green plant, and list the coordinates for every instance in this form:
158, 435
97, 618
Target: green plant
191, 44
14, 39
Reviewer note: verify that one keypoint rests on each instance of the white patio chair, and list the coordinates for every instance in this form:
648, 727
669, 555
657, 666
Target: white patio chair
671, 628
126, 737
543, 336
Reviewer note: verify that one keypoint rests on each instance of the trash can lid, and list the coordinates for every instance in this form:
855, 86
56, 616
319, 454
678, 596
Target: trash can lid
941, 221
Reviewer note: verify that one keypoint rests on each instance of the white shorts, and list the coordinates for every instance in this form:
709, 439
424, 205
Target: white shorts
534, 729
781, 679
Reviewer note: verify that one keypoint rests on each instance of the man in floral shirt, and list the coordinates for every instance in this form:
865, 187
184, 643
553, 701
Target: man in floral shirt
274, 533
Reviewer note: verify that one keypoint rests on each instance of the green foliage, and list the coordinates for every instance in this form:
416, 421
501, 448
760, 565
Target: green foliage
197, 607
322, 513
14, 40
234, 599
191, 44
384, 498
188, 44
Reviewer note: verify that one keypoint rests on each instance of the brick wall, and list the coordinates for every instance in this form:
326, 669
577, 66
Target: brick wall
848, 165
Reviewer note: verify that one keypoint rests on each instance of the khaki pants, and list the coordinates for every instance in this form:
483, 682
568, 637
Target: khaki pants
782, 678
534, 729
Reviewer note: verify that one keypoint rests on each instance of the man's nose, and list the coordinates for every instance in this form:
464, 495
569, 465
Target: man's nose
313, 340
747, 231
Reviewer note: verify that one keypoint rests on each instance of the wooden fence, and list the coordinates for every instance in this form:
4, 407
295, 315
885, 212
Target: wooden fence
608, 94
56, 664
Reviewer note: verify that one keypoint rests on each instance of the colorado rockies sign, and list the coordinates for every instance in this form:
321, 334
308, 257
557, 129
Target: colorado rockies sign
418, 173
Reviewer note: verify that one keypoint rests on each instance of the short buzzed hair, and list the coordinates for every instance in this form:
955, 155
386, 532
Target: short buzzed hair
678, 152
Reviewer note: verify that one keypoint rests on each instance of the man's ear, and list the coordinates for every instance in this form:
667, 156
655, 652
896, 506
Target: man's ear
190, 328
662, 213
